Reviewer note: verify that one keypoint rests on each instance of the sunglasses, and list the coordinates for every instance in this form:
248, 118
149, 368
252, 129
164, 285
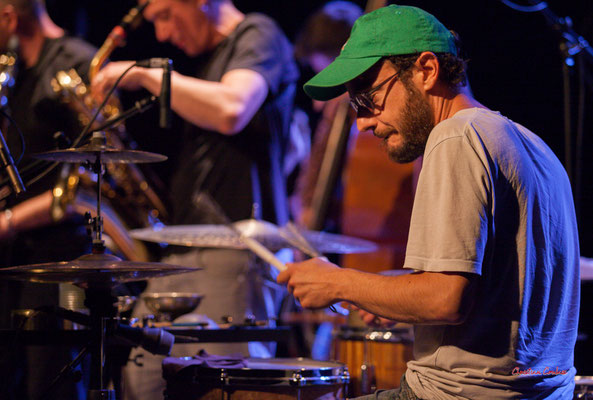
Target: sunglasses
365, 99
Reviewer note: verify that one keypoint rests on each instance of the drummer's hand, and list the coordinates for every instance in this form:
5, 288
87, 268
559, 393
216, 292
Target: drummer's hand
372, 319
107, 76
313, 282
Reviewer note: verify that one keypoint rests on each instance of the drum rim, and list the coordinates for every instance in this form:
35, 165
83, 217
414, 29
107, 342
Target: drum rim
329, 373
380, 335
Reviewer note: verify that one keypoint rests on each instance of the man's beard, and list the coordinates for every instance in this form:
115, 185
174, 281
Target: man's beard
416, 123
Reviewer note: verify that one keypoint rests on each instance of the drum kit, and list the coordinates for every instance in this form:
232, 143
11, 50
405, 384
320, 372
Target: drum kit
368, 358
99, 272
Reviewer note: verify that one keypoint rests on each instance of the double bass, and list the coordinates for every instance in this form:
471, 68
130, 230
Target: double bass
377, 194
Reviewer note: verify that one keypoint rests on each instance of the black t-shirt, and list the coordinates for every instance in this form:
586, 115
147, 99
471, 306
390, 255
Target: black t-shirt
240, 170
37, 108
39, 113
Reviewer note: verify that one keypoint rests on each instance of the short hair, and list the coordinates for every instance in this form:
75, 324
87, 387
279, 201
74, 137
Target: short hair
327, 29
453, 69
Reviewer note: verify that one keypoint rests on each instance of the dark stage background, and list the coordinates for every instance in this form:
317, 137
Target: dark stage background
515, 67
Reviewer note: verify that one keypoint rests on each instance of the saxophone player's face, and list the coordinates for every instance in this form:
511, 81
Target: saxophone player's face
180, 22
8, 20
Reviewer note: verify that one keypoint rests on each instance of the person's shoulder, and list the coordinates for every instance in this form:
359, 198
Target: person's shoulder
79, 45
75, 47
470, 120
263, 24
466, 125
261, 20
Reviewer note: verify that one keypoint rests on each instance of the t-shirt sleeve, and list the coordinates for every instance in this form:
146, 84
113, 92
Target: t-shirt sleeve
262, 48
451, 216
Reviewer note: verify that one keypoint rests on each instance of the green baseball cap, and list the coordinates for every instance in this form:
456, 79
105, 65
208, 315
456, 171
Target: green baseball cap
391, 30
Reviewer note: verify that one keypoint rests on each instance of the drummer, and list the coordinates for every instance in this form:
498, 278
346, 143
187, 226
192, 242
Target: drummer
493, 238
237, 108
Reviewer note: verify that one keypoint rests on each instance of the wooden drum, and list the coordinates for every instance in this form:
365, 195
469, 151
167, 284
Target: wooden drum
376, 358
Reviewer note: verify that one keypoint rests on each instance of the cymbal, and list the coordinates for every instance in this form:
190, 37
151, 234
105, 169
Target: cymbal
90, 152
268, 234
92, 270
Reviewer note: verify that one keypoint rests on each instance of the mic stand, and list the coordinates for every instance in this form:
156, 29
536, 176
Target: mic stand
138, 108
572, 44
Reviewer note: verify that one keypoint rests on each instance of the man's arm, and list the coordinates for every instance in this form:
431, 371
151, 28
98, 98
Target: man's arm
418, 298
226, 106
31, 213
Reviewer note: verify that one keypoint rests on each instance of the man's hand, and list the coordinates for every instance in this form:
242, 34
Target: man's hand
314, 283
107, 76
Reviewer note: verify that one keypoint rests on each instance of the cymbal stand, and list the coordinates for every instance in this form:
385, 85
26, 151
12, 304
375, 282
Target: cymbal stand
96, 223
99, 300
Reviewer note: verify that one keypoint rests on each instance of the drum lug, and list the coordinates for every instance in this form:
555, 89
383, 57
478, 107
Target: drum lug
297, 378
368, 382
346, 375
223, 376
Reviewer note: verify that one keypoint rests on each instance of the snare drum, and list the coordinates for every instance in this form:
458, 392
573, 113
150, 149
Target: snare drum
263, 378
376, 358
583, 388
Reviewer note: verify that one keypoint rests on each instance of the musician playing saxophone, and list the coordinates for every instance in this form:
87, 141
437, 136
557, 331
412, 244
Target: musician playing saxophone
28, 234
237, 107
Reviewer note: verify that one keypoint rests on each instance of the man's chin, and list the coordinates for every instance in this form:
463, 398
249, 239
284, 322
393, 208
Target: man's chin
401, 154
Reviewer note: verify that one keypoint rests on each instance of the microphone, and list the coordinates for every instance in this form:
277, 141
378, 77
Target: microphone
8, 164
153, 62
165, 97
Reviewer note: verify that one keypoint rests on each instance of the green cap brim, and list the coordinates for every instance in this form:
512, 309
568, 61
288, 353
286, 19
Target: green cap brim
329, 83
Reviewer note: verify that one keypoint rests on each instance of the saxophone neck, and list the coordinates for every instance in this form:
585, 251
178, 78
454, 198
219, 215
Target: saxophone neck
101, 56
117, 37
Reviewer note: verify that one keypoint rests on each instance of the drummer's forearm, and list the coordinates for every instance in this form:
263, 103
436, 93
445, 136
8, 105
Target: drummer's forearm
424, 298
30, 214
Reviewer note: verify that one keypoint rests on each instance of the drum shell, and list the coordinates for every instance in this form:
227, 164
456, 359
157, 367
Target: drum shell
296, 378
583, 389
387, 350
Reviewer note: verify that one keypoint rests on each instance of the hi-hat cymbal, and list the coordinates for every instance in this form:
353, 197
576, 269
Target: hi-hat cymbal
271, 236
92, 270
90, 152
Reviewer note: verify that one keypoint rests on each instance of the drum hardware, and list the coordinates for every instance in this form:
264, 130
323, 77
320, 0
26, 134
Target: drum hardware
125, 303
249, 321
583, 389
98, 273
266, 233
130, 190
368, 379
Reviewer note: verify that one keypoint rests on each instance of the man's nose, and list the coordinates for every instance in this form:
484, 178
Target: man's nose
365, 122
162, 32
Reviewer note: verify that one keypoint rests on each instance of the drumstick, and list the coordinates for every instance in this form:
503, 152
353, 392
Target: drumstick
253, 245
262, 252
296, 238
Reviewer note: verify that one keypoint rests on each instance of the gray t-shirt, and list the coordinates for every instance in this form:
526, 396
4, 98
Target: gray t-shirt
493, 200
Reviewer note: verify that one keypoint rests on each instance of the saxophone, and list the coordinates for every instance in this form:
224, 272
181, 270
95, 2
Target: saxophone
130, 201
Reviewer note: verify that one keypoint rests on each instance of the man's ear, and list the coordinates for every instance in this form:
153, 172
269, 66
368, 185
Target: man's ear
428, 64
